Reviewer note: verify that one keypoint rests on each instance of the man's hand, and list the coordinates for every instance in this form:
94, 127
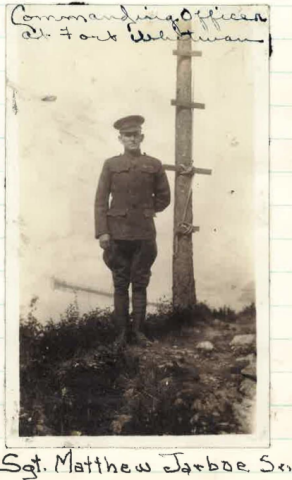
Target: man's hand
104, 241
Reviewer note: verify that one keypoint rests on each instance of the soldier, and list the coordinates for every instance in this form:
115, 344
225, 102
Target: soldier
124, 224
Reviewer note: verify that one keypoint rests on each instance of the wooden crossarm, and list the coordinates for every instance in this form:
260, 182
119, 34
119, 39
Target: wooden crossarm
177, 103
186, 229
175, 168
203, 171
171, 168
191, 53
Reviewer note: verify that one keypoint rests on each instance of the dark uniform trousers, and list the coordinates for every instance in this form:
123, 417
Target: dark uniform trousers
138, 188
130, 262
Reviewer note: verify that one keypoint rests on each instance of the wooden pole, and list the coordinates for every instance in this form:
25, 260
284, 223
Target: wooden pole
184, 295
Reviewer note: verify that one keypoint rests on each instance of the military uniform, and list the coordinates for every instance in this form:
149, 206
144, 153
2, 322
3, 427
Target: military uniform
131, 189
139, 188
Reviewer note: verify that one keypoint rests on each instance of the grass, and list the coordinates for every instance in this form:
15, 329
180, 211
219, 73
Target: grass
73, 383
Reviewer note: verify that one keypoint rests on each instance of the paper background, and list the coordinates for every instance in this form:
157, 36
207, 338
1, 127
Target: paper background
281, 279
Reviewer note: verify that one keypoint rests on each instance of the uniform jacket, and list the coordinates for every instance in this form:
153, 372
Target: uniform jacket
131, 189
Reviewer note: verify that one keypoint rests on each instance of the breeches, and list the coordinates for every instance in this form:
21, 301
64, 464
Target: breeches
130, 262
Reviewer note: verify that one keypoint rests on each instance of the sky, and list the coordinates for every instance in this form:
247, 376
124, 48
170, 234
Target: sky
62, 144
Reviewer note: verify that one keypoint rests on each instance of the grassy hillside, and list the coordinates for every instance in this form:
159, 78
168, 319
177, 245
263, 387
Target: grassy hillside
192, 379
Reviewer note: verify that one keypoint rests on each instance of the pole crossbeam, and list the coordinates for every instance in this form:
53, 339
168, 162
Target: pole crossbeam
180, 170
190, 53
203, 171
185, 228
181, 104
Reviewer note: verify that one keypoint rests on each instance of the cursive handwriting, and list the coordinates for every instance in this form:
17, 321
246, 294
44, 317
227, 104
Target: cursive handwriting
187, 34
34, 25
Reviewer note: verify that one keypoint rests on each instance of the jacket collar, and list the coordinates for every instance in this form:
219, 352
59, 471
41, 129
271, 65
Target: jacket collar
134, 154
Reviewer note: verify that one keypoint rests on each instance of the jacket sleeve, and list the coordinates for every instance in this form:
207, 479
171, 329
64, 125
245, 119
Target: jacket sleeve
162, 190
102, 201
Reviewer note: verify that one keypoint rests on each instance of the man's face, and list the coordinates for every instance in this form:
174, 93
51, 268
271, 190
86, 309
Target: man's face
131, 140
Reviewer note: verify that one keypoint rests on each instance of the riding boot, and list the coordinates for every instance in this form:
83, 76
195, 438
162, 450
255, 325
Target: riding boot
121, 315
139, 301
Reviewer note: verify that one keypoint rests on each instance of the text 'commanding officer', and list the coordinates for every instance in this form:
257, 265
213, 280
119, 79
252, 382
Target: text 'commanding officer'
131, 189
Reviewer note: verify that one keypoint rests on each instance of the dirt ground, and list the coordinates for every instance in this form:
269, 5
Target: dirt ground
197, 377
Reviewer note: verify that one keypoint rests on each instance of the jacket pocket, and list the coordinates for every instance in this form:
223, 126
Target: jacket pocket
117, 212
150, 169
120, 169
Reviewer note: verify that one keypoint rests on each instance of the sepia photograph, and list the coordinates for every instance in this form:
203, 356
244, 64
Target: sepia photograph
137, 228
